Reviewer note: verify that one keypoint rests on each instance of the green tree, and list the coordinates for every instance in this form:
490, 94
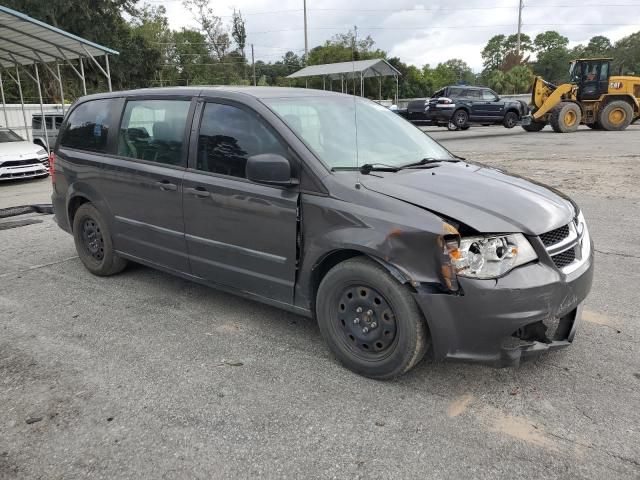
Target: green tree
549, 40
626, 53
211, 26
500, 47
518, 80
238, 31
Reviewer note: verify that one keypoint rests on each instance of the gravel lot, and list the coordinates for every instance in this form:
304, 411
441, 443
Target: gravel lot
146, 375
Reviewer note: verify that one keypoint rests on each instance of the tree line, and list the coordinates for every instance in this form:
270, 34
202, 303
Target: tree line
216, 52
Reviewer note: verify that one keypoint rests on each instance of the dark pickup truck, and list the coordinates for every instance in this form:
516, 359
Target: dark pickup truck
457, 107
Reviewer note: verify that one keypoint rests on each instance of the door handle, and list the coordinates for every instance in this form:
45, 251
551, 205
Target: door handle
167, 186
199, 192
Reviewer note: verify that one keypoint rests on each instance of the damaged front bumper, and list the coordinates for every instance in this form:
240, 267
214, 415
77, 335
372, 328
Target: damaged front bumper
533, 309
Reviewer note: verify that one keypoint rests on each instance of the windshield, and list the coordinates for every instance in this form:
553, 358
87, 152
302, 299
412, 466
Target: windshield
9, 136
327, 125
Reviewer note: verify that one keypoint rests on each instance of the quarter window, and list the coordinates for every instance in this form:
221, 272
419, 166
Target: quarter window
153, 130
88, 126
229, 136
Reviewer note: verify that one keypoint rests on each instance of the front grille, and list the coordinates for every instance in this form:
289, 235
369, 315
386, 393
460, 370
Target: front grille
18, 163
565, 258
555, 236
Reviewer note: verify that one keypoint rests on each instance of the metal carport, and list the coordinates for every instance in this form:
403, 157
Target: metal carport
26, 42
376, 67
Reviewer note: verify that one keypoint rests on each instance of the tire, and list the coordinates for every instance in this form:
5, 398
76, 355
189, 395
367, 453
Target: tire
565, 117
452, 127
396, 337
510, 119
616, 116
93, 242
460, 118
534, 126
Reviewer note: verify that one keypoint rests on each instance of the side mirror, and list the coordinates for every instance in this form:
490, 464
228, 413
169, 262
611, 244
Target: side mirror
270, 168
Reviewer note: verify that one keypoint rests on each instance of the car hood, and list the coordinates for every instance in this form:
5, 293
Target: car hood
486, 199
13, 149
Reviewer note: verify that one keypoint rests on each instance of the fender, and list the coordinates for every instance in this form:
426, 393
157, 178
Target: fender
80, 189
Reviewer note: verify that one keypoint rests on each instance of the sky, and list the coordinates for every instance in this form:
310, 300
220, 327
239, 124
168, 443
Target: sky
426, 32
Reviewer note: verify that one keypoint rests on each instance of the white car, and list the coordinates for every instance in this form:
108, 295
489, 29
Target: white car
20, 158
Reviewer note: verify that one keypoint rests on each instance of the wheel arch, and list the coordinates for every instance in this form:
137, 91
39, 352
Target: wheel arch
630, 99
80, 193
335, 257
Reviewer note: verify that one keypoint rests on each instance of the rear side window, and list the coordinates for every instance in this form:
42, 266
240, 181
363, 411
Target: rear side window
153, 130
229, 135
489, 95
88, 126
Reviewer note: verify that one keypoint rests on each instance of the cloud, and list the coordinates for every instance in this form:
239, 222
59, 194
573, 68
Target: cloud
418, 33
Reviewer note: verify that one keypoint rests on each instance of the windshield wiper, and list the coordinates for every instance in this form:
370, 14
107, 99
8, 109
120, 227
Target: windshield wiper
367, 168
429, 160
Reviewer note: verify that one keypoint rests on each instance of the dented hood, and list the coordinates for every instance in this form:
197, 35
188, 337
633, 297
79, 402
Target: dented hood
486, 199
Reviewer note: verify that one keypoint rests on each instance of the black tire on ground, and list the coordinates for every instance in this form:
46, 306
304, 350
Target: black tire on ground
357, 294
510, 119
93, 242
452, 127
565, 117
460, 118
616, 115
534, 126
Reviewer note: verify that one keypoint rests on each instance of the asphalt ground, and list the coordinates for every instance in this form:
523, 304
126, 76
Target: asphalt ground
144, 375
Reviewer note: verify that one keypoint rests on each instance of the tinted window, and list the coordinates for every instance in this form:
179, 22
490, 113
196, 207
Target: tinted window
88, 126
439, 93
488, 95
49, 121
229, 135
9, 136
455, 92
154, 130
59, 122
473, 94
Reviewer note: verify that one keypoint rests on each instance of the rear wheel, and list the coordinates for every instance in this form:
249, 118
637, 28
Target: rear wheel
371, 323
460, 118
534, 126
92, 238
566, 117
616, 115
510, 119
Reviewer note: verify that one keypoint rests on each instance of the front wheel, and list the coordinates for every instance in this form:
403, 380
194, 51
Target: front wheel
371, 323
510, 120
566, 117
534, 126
92, 238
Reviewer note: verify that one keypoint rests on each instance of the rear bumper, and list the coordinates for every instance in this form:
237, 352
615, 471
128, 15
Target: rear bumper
500, 322
439, 115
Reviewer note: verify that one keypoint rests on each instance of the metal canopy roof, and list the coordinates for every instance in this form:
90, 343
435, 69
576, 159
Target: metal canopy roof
25, 41
377, 67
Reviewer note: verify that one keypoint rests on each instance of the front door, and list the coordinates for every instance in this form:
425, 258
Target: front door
143, 181
493, 106
239, 233
594, 79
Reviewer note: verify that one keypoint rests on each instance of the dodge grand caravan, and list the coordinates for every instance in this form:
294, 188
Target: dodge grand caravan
330, 206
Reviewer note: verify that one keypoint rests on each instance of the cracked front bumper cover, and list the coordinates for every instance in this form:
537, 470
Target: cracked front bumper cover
473, 326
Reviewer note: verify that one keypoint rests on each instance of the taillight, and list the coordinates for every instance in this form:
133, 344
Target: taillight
52, 167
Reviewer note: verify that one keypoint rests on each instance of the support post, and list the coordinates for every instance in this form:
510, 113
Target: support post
379, 87
253, 66
324, 78
361, 85
84, 81
106, 60
24, 114
397, 88
61, 88
4, 104
44, 122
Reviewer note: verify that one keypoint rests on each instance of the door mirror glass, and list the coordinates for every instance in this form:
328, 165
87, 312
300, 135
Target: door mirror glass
269, 168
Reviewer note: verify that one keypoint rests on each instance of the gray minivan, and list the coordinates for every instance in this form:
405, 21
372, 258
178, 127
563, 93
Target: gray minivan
330, 206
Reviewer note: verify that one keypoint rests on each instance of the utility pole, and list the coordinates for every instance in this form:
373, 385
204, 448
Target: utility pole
253, 66
306, 39
521, 6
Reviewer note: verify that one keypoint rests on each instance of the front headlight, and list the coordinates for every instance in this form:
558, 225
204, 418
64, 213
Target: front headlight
41, 152
489, 256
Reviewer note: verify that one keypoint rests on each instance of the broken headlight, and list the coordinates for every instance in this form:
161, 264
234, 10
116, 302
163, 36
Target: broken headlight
489, 256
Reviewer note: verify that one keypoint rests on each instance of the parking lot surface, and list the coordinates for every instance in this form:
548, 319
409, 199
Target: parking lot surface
146, 375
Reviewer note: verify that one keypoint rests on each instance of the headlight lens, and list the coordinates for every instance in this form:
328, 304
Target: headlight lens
490, 256
41, 152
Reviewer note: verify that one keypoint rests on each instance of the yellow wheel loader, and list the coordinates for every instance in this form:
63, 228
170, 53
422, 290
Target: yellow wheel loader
592, 98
